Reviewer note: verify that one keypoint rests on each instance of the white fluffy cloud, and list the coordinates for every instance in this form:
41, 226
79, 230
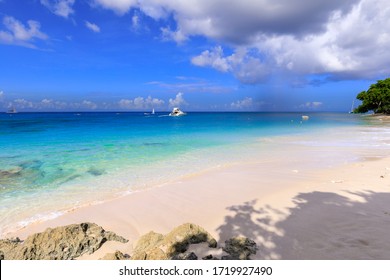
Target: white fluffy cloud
192, 84
237, 20
18, 34
135, 22
92, 26
177, 101
343, 39
351, 44
140, 103
89, 105
213, 58
244, 66
311, 105
22, 103
62, 8
119, 6
246, 103
50, 104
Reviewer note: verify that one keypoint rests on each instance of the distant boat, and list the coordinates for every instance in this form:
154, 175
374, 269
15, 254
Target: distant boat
353, 105
305, 118
152, 113
176, 112
11, 111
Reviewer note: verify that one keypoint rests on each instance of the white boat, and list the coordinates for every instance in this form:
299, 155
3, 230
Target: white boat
152, 113
305, 118
176, 112
11, 111
352, 107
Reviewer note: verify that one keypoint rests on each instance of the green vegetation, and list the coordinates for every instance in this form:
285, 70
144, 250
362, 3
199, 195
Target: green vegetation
376, 98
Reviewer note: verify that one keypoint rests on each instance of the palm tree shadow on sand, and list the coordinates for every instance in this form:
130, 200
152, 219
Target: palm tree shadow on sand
320, 225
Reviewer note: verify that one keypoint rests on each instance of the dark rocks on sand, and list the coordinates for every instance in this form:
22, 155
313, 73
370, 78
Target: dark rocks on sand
61, 243
239, 248
185, 256
72, 241
155, 246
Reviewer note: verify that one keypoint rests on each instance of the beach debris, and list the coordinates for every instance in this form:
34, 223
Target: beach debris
116, 256
239, 248
60, 243
155, 246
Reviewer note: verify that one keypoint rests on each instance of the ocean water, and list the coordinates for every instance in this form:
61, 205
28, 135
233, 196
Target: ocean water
53, 162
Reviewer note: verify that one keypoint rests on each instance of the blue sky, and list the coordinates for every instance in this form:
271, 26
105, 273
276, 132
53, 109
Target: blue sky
110, 55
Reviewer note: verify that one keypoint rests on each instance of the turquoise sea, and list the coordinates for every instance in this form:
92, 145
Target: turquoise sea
53, 162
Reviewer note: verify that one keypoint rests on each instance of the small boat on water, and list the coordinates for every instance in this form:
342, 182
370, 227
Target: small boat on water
152, 113
176, 112
305, 118
11, 111
352, 107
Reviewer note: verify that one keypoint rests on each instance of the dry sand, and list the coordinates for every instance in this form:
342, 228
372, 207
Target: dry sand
291, 210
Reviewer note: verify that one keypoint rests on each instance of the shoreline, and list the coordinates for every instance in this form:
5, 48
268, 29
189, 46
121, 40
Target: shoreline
281, 191
257, 199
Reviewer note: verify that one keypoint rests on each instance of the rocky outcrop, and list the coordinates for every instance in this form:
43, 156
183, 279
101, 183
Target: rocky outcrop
239, 248
8, 245
117, 255
185, 256
61, 243
155, 246
72, 241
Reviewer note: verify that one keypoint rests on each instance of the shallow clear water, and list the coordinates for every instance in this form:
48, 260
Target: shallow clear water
51, 162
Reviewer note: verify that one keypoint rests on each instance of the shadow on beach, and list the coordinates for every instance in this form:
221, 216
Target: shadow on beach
320, 225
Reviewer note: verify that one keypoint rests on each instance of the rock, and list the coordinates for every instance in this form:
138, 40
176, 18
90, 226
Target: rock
7, 246
61, 243
154, 246
239, 248
118, 255
209, 257
12, 172
147, 247
185, 256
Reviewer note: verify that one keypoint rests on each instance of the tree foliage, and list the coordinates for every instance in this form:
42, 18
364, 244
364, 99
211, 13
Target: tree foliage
376, 98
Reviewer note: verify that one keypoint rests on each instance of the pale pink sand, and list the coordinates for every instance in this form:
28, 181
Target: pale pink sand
291, 210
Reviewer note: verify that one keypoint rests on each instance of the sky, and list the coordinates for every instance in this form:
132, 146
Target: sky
199, 55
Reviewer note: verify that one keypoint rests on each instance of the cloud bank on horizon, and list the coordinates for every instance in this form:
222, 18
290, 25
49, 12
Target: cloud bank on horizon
303, 41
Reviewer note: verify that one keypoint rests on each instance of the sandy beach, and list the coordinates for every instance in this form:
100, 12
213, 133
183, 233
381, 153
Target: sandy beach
292, 209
